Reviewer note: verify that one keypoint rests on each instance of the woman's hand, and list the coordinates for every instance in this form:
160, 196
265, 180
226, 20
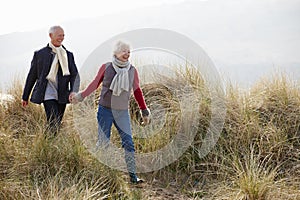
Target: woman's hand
146, 116
146, 120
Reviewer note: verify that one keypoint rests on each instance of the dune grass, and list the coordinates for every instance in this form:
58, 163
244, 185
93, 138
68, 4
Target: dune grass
256, 157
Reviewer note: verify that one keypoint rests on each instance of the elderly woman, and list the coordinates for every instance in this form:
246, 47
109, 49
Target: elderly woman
118, 79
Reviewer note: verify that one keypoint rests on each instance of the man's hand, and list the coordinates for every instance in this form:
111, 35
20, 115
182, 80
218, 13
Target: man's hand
71, 97
24, 103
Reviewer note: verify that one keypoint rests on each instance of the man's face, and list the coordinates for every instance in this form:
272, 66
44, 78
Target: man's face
57, 37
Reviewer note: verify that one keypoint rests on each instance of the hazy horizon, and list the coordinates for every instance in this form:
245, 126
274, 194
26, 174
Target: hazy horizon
246, 40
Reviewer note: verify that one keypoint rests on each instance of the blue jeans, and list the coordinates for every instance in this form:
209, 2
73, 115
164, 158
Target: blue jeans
121, 120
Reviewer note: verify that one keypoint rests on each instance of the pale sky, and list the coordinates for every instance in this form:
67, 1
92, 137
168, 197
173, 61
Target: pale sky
27, 15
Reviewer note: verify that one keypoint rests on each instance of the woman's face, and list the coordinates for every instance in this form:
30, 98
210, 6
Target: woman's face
123, 55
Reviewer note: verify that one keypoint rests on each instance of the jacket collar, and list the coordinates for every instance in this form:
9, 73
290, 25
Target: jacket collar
51, 48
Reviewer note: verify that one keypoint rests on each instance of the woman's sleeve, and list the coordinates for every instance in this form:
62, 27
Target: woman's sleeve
138, 94
95, 83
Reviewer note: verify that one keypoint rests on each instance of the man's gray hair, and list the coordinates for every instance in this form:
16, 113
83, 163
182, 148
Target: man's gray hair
120, 46
54, 28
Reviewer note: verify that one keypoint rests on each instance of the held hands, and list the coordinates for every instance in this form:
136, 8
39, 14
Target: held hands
71, 96
75, 97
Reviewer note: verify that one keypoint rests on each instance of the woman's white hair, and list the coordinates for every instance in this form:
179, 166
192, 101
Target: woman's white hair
120, 46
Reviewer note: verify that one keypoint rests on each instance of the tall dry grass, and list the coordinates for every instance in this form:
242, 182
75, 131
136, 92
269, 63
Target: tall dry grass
257, 155
36, 166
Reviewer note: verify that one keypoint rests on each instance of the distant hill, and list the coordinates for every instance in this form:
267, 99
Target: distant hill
245, 40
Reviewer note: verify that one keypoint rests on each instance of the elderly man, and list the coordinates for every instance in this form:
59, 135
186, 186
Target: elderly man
53, 76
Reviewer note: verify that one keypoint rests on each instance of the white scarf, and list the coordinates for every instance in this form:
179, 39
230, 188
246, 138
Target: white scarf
62, 57
120, 81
